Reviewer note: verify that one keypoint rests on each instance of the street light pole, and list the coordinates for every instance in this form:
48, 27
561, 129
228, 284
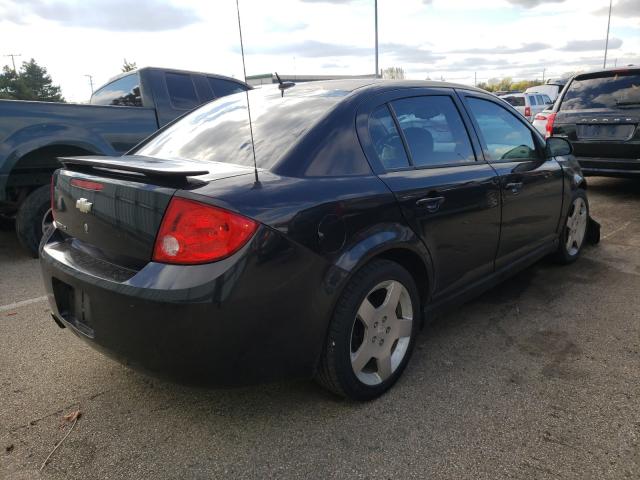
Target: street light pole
13, 59
90, 82
376, 19
606, 44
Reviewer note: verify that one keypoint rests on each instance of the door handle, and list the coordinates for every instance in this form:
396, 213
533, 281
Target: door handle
515, 187
431, 204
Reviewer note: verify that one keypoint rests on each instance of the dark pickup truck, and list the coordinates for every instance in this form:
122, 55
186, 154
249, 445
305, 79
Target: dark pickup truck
599, 113
120, 114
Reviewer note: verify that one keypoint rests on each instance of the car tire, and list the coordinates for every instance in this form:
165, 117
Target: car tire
30, 217
380, 303
574, 229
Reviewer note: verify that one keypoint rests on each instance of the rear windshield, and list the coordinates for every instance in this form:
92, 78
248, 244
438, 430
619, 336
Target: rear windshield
515, 101
610, 90
219, 131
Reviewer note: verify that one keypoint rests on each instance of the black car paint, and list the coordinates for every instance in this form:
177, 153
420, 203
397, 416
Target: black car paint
263, 312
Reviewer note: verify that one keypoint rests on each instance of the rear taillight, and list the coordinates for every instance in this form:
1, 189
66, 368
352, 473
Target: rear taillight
192, 232
549, 127
527, 111
540, 117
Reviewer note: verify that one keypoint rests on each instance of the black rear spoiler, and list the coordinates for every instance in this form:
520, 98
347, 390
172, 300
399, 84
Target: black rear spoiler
150, 167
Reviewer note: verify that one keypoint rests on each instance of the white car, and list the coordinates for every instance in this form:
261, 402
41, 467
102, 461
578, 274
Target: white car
528, 104
542, 121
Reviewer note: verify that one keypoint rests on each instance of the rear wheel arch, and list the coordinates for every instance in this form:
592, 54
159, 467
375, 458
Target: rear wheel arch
412, 263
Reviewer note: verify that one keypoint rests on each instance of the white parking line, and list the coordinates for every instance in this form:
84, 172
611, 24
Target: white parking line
13, 306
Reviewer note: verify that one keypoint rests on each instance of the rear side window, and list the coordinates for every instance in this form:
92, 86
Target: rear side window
222, 87
614, 90
181, 91
386, 139
434, 130
124, 92
532, 100
506, 137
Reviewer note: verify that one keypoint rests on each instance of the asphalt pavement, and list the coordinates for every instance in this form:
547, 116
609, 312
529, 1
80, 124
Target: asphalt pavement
539, 378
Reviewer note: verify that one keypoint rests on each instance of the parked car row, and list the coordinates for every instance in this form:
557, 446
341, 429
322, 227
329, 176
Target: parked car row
120, 114
528, 104
315, 241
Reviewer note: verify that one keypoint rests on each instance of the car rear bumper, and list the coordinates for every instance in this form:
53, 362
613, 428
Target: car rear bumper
610, 167
257, 315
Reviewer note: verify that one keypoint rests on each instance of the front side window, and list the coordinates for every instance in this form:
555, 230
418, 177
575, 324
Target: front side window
434, 130
181, 91
506, 137
123, 92
386, 139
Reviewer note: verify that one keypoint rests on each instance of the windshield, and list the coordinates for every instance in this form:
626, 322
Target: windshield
611, 90
219, 131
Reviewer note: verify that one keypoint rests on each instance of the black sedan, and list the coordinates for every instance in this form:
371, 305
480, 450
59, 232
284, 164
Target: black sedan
371, 206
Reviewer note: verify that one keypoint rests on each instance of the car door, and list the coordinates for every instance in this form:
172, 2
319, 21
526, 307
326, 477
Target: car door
421, 148
531, 183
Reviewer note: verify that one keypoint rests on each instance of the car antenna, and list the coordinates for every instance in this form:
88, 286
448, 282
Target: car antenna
244, 70
283, 85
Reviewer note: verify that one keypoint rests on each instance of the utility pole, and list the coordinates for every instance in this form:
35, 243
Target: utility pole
543, 72
90, 77
13, 59
606, 44
475, 79
376, 20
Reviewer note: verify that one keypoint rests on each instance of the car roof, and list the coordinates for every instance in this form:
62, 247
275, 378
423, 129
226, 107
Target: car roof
371, 85
625, 69
172, 70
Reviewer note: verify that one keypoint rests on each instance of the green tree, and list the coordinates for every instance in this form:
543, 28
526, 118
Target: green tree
32, 82
128, 66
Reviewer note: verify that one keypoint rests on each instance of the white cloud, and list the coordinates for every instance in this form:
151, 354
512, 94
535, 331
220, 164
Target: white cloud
455, 40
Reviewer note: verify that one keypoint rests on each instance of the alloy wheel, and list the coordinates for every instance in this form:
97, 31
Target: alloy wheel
381, 332
576, 226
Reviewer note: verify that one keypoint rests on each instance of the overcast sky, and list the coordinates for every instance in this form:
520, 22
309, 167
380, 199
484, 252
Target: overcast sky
448, 39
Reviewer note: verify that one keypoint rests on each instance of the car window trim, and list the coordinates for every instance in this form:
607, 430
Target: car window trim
412, 165
539, 150
396, 122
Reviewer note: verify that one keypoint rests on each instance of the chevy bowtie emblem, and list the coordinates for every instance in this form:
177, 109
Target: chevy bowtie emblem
83, 205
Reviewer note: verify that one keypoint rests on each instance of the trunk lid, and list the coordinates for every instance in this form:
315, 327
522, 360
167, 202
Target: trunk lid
112, 207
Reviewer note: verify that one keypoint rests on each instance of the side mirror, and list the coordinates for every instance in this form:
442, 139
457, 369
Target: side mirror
558, 147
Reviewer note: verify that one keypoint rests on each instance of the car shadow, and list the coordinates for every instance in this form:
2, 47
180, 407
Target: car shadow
616, 187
